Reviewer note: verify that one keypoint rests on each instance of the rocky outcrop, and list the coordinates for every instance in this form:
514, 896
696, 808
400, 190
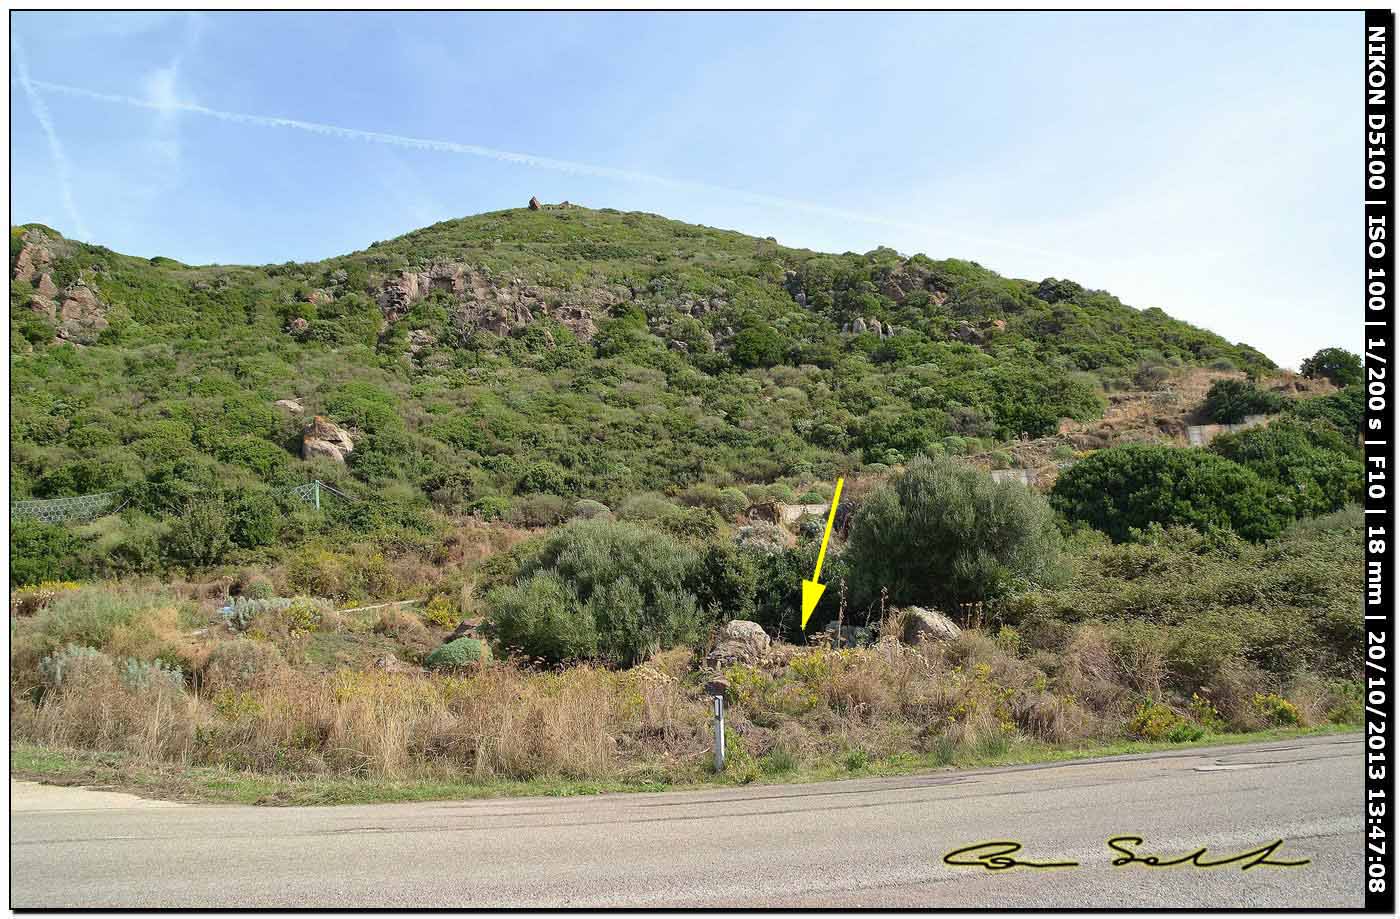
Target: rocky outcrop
534, 203
967, 333
862, 325
35, 255
899, 283
290, 405
398, 294
487, 305
391, 664
46, 287
738, 642
920, 625
325, 439
81, 315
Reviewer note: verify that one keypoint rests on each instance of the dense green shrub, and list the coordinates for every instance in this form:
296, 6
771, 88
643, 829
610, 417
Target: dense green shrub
1229, 401
259, 587
90, 616
42, 552
457, 654
1339, 365
945, 534
1131, 487
587, 509
1312, 464
1215, 607
1344, 410
597, 588
202, 534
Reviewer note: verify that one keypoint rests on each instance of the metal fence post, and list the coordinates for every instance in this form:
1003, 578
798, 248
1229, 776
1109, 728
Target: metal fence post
719, 733
318, 493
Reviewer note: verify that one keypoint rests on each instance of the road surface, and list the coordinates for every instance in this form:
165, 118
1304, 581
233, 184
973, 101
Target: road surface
859, 843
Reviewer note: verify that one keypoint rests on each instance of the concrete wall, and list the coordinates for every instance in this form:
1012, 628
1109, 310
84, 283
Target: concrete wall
794, 512
1024, 476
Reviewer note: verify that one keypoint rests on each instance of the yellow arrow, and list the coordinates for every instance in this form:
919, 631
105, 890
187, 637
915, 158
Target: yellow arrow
811, 590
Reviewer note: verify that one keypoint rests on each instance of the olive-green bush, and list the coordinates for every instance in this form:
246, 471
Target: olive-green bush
600, 589
945, 534
1311, 464
457, 654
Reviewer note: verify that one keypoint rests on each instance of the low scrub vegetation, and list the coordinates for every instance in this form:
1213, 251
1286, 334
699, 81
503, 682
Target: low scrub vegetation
1172, 638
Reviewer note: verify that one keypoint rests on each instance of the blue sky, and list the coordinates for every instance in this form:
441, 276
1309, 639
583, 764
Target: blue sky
1204, 163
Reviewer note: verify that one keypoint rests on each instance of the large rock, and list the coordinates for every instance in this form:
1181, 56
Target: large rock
324, 438
81, 315
739, 642
920, 625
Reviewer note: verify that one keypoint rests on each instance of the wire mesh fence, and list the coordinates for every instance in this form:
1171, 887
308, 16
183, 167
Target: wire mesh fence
63, 510
90, 507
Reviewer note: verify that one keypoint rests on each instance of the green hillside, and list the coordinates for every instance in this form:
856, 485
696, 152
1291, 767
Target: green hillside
515, 362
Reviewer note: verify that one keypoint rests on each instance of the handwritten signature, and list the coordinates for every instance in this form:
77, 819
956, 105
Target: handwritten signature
998, 856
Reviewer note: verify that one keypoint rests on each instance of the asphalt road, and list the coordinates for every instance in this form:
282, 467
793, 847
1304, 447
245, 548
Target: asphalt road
862, 843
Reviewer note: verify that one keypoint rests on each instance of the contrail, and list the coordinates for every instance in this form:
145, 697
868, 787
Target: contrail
530, 159
60, 159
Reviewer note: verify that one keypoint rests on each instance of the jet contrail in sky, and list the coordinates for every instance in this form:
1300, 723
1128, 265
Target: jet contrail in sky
45, 119
527, 159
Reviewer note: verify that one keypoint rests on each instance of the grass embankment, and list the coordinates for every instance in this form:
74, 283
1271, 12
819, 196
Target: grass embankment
122, 772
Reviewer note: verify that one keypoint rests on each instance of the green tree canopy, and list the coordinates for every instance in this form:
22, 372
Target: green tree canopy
1336, 364
1129, 488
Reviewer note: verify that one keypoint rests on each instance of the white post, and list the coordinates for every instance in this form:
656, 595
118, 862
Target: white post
719, 733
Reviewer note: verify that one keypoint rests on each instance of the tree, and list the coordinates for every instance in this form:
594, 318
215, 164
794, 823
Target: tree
1129, 488
1336, 364
1229, 401
945, 534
